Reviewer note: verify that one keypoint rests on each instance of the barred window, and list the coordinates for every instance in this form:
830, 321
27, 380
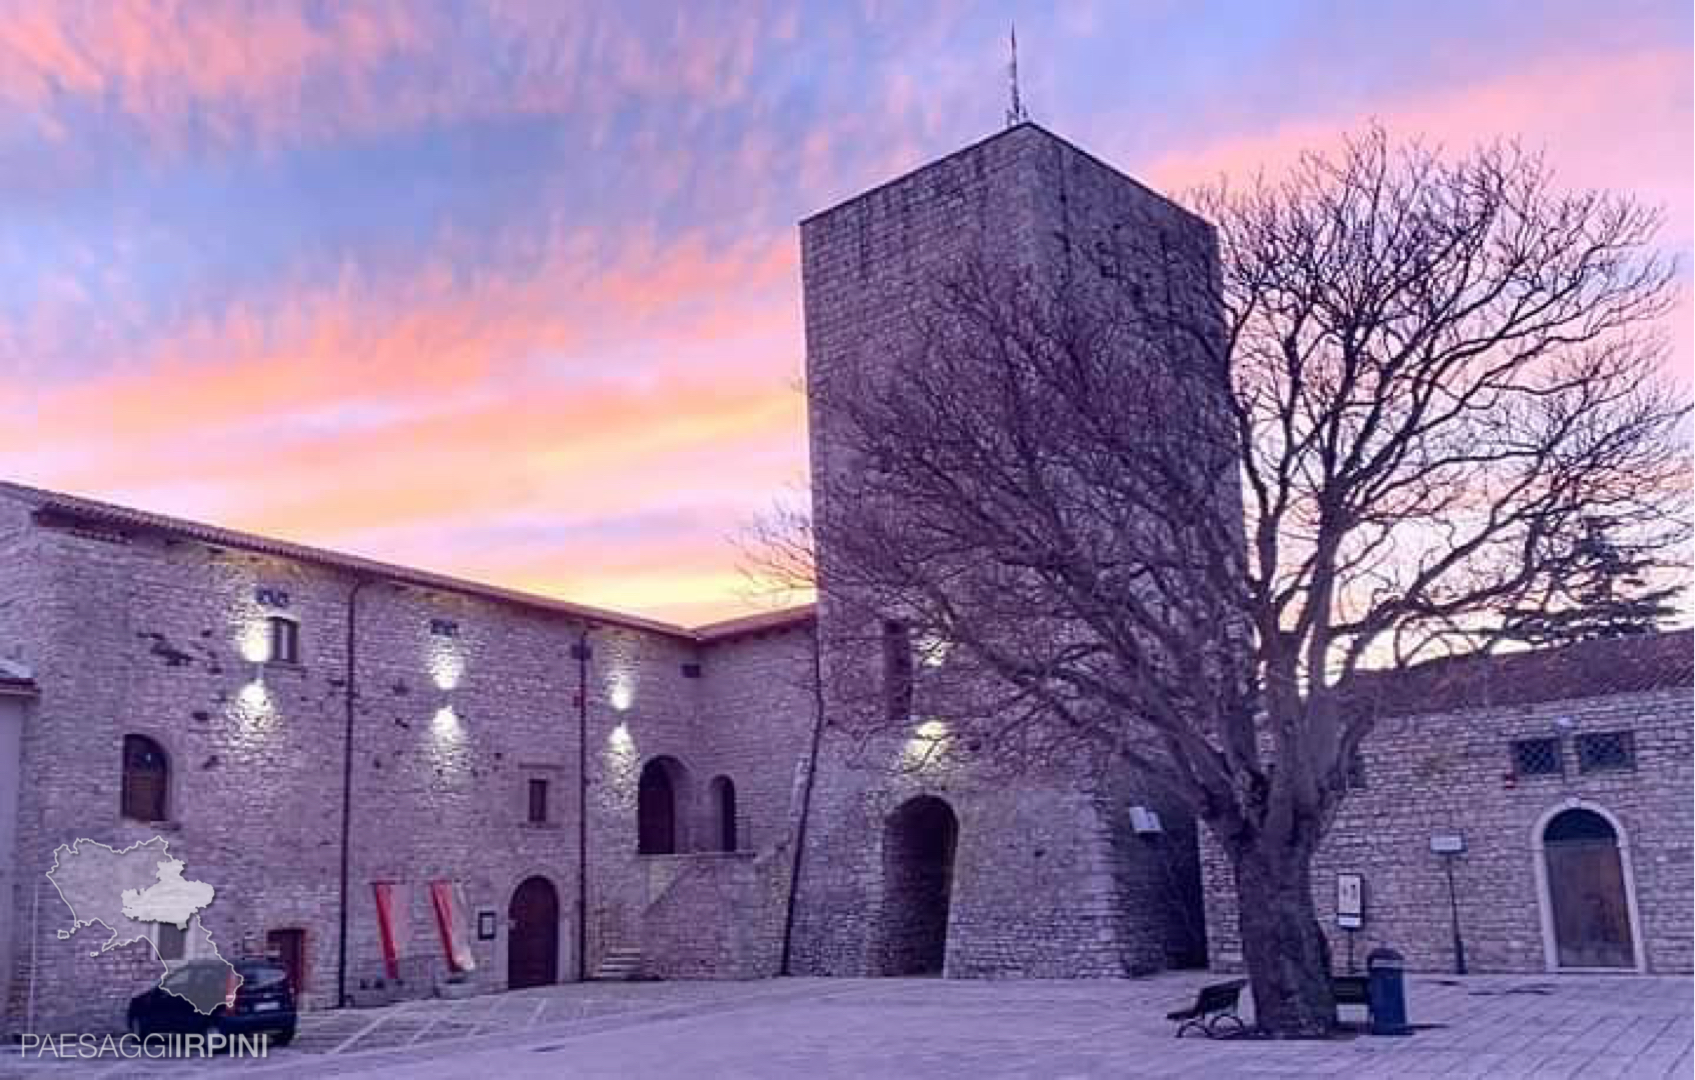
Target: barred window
1537, 757
1601, 751
538, 802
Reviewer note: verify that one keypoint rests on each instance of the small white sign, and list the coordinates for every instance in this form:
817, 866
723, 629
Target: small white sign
1350, 901
1447, 843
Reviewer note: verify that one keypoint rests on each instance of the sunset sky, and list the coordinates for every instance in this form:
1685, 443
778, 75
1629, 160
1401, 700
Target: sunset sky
511, 290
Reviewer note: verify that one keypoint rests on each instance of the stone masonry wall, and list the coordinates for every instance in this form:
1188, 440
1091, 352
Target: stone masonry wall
1451, 773
146, 635
1044, 881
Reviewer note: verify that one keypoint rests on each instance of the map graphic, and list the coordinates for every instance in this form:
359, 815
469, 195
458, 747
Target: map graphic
126, 891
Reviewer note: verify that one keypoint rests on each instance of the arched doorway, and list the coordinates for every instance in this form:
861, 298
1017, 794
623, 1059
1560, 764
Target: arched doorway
723, 791
919, 840
660, 797
532, 945
1588, 911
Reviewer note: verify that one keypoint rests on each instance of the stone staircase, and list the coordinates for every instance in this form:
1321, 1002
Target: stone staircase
619, 963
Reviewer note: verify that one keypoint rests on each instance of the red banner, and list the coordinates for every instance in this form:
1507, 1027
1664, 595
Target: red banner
394, 909
448, 899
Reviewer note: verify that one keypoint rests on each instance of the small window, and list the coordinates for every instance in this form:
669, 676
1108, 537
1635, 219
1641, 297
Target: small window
897, 671
285, 640
171, 942
1537, 757
146, 781
538, 802
1604, 751
724, 808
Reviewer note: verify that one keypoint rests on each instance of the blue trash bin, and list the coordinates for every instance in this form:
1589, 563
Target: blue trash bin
1386, 992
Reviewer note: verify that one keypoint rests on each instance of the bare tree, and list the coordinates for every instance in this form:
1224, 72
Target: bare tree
1169, 530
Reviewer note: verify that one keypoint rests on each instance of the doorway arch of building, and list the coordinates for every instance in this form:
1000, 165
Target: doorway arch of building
920, 841
663, 796
1586, 889
532, 939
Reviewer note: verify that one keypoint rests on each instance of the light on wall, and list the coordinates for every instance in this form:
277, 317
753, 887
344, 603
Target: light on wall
253, 694
255, 643
446, 665
445, 723
619, 694
928, 742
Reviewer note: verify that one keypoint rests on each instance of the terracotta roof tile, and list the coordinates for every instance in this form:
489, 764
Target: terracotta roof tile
1589, 669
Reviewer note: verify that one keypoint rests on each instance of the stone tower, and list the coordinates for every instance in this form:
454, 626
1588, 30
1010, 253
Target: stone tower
948, 869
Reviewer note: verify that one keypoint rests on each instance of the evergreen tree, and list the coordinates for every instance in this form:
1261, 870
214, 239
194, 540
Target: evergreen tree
1609, 592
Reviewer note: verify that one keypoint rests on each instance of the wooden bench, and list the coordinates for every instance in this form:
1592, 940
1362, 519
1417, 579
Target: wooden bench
1214, 1004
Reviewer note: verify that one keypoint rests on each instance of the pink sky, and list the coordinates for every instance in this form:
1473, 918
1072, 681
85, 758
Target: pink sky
511, 290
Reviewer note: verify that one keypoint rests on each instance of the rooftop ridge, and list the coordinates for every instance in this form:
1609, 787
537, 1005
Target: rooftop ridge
114, 514
946, 158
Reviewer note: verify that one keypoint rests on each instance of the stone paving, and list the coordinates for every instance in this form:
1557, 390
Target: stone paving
1481, 1026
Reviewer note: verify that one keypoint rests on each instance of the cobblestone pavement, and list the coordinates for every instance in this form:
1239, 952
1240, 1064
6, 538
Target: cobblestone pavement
1481, 1026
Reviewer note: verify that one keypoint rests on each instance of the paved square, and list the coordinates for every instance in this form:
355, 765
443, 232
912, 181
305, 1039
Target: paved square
1481, 1026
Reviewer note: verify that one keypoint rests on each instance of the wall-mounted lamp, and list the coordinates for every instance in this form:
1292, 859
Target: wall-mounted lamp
1145, 822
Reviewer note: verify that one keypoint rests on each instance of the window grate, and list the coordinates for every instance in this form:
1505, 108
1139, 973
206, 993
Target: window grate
538, 802
1604, 751
1537, 757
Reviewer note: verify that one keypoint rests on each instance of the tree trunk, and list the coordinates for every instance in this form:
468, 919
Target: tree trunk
1287, 955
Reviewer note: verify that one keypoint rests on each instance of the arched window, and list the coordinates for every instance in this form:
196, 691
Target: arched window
660, 797
147, 779
724, 812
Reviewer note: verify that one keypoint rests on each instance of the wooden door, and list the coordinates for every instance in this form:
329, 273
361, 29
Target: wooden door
532, 948
1591, 914
288, 947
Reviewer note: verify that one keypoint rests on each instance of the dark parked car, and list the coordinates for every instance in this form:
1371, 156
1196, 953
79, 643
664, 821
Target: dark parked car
264, 1002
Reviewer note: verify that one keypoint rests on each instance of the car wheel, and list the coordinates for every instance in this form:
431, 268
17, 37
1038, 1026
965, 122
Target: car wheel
283, 1037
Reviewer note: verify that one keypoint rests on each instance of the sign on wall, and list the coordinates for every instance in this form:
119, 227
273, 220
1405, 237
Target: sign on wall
1350, 901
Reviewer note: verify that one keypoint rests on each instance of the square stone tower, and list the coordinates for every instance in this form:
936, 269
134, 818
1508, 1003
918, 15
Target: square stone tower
949, 869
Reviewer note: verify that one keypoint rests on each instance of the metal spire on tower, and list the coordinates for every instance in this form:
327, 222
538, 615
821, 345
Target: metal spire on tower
1015, 113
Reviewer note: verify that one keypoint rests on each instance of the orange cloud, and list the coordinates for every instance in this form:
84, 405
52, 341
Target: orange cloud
572, 391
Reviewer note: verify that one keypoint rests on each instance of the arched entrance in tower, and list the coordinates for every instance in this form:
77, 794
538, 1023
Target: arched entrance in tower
919, 841
1587, 895
532, 944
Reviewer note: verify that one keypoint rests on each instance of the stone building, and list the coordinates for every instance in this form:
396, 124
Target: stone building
405, 784
1564, 778
175, 679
